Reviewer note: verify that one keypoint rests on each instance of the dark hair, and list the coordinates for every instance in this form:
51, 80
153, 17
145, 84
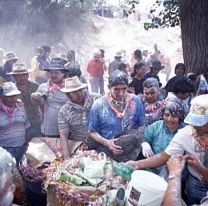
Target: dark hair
138, 54
183, 85
74, 72
102, 51
118, 77
121, 66
181, 66
137, 66
192, 76
46, 48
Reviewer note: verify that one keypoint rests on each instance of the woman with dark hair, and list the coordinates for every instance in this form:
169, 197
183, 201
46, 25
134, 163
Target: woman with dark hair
180, 70
159, 134
182, 89
137, 82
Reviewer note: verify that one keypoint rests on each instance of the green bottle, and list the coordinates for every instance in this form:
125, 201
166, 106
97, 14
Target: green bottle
123, 170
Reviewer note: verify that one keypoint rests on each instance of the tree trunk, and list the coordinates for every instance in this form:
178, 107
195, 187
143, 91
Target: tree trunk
194, 31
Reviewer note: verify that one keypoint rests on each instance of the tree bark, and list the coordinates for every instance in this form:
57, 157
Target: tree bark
194, 32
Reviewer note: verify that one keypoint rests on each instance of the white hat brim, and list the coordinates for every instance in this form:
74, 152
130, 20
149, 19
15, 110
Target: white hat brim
12, 93
22, 72
73, 89
196, 119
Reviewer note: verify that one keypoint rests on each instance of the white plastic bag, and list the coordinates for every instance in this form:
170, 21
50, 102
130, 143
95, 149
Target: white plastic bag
94, 168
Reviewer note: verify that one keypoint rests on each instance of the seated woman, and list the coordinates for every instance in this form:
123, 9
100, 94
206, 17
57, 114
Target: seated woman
159, 134
152, 100
113, 114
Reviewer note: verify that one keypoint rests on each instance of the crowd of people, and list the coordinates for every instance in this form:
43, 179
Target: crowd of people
135, 120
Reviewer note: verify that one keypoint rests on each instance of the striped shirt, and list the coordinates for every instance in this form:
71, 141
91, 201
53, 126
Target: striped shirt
12, 130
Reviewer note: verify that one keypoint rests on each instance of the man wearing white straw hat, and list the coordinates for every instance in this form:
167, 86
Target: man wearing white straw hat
21, 74
13, 121
72, 118
10, 58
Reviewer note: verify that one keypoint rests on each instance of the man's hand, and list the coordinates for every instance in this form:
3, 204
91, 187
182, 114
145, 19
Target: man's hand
117, 150
175, 165
194, 162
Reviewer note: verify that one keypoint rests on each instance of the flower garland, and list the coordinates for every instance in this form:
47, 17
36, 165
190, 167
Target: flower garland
53, 87
8, 110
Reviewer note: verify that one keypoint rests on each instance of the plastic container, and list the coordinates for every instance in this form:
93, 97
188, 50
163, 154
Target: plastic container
145, 189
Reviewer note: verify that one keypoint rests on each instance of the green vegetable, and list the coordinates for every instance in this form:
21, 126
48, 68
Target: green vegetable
94, 182
74, 179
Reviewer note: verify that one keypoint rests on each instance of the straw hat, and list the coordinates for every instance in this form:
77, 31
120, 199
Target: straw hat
198, 114
19, 68
9, 89
10, 56
118, 54
73, 84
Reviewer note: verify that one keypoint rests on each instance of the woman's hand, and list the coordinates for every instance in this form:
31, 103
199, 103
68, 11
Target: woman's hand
147, 150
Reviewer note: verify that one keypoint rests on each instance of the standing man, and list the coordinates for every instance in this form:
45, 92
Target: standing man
13, 122
95, 69
73, 115
115, 63
21, 75
10, 59
50, 98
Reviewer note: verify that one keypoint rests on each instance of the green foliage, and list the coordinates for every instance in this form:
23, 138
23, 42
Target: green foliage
41, 15
169, 16
128, 5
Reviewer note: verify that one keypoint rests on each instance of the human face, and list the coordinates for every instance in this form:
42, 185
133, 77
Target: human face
56, 76
151, 94
11, 62
182, 96
76, 97
118, 92
179, 72
9, 101
203, 129
21, 79
155, 71
140, 72
171, 121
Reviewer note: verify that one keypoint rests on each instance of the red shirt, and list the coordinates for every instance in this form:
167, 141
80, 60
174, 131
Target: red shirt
95, 68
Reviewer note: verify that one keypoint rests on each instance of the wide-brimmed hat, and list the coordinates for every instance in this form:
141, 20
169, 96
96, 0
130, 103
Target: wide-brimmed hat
9, 89
57, 63
10, 56
118, 54
130, 141
73, 84
19, 68
97, 54
157, 65
198, 114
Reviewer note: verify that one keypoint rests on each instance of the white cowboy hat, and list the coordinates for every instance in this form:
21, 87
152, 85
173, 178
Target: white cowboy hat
73, 84
19, 68
9, 89
10, 56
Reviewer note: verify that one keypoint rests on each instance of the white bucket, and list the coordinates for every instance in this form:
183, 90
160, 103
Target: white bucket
145, 189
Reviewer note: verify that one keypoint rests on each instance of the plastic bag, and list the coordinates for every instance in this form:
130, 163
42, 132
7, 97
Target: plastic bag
94, 168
